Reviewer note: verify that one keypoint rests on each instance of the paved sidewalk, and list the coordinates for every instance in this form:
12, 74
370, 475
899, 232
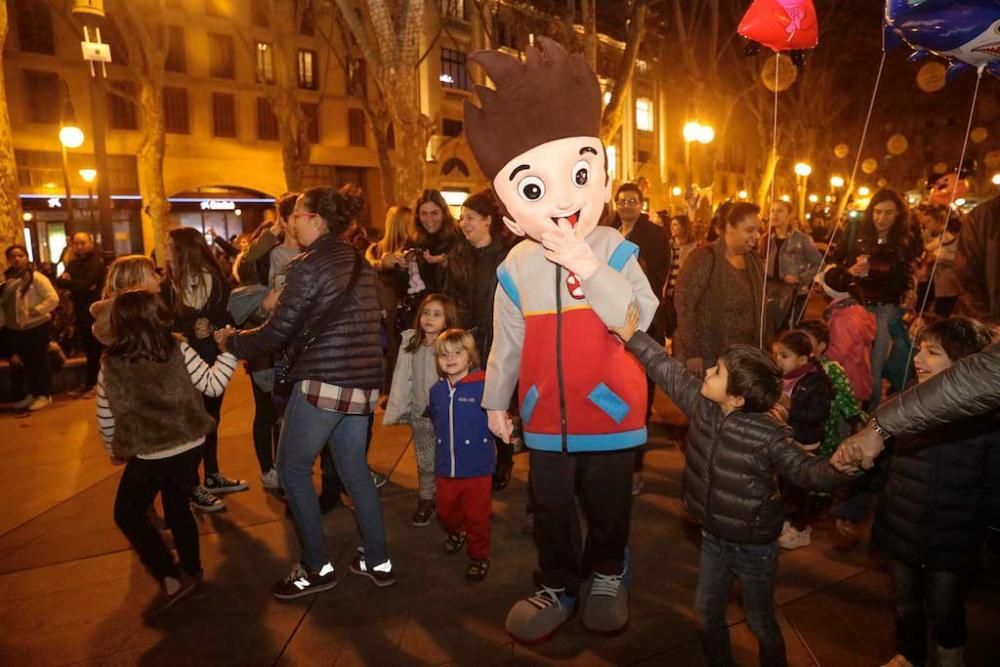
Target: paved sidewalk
71, 590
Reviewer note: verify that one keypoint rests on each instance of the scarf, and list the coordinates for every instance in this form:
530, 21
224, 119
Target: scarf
717, 295
791, 379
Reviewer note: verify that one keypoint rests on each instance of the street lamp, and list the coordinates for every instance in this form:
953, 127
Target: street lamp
676, 191
742, 194
864, 191
695, 132
802, 171
996, 178
88, 175
70, 136
837, 182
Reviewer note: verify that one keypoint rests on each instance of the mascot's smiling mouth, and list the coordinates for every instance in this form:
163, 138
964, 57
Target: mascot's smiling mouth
992, 49
572, 219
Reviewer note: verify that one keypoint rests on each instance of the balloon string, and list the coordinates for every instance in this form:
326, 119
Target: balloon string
947, 221
770, 218
842, 204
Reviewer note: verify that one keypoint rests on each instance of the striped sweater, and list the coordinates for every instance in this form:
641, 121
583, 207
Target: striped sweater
209, 380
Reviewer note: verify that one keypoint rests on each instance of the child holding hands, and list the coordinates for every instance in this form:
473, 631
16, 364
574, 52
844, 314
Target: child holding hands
735, 451
466, 454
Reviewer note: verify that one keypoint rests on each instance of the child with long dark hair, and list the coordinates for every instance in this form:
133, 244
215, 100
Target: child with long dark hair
806, 394
152, 419
416, 372
197, 291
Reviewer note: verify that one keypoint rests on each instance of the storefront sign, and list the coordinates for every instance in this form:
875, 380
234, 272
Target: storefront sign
218, 205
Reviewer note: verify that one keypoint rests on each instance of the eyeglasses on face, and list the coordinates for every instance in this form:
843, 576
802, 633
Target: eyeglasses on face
628, 202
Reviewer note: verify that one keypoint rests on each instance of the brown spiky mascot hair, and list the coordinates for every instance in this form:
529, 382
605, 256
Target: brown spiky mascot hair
551, 95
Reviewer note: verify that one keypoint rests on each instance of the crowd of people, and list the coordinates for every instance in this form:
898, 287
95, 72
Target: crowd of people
325, 321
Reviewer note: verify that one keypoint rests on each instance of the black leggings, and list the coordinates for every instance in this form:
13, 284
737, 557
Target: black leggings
172, 478
922, 595
210, 450
265, 427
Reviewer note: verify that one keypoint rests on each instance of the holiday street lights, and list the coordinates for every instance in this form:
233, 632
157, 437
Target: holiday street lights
802, 171
996, 178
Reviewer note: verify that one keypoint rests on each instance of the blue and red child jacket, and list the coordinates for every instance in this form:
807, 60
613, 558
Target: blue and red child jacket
579, 390
465, 446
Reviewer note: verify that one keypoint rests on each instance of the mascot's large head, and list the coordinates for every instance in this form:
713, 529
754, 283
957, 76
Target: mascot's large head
537, 138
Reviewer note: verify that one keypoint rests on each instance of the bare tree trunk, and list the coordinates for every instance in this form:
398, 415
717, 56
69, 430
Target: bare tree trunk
613, 113
11, 226
155, 223
764, 189
589, 9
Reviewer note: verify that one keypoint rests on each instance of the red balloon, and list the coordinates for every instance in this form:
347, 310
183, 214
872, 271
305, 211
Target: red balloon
781, 25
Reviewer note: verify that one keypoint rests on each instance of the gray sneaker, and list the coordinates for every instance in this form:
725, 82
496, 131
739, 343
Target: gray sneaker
535, 619
605, 603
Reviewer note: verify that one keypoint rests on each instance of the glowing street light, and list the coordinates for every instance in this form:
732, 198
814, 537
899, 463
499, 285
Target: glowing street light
88, 175
676, 191
742, 194
695, 132
802, 169
813, 198
996, 178
70, 136
786, 198
692, 130
706, 135
864, 191
837, 181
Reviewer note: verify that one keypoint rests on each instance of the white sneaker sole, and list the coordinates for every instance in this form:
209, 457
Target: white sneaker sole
227, 489
208, 508
312, 590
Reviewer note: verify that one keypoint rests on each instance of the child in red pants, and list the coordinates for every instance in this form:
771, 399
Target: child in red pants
466, 455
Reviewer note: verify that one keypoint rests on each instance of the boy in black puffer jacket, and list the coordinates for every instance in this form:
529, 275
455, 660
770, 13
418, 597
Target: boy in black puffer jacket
943, 488
735, 451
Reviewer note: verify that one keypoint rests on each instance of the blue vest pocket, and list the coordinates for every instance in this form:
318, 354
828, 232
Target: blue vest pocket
609, 402
529, 404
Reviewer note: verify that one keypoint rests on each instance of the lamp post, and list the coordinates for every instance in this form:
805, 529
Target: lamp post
88, 175
695, 132
70, 136
802, 171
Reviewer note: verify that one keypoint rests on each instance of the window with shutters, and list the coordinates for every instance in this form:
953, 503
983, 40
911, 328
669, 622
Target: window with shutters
221, 56
357, 84
265, 62
121, 109
175, 110
224, 115
644, 114
267, 123
34, 27
176, 57
44, 103
453, 71
308, 69
356, 134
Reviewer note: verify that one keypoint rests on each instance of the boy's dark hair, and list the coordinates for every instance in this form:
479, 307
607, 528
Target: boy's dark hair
817, 329
753, 375
738, 212
630, 187
796, 341
140, 323
958, 336
551, 95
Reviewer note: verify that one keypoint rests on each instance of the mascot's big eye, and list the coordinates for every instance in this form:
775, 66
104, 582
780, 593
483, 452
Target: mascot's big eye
531, 188
581, 173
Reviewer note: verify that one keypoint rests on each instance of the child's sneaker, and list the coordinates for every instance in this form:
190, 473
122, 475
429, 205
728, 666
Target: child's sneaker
535, 619
898, 661
269, 480
23, 403
477, 570
605, 606
454, 543
791, 538
300, 582
219, 483
380, 574
40, 403
425, 510
202, 500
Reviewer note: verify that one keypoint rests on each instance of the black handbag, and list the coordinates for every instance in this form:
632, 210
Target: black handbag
281, 390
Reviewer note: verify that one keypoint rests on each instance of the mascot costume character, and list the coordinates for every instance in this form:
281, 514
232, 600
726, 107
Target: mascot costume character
582, 396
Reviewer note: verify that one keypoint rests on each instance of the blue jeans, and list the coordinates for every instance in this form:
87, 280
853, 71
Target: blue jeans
305, 432
890, 351
755, 565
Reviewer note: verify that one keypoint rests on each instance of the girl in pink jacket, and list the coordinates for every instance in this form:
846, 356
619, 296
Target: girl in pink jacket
852, 329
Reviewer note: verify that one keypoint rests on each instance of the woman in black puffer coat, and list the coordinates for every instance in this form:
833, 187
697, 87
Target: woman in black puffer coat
943, 489
329, 311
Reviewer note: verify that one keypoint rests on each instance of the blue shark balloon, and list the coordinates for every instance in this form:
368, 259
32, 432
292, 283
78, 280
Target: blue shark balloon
966, 32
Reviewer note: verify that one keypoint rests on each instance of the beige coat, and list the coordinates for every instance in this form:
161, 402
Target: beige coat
34, 306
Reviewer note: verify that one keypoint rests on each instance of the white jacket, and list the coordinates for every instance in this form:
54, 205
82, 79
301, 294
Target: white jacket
34, 306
